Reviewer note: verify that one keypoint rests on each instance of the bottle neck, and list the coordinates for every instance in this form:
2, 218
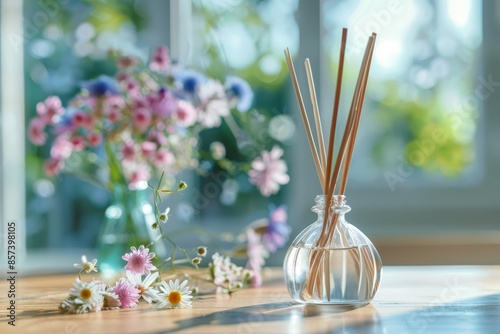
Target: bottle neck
338, 206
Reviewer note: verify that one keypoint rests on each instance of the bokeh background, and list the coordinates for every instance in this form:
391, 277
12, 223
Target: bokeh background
424, 183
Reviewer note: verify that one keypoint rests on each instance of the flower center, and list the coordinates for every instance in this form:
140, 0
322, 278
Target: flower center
85, 294
141, 289
138, 261
174, 297
87, 266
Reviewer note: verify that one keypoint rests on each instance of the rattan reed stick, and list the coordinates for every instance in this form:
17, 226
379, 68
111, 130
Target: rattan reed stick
328, 170
305, 119
317, 118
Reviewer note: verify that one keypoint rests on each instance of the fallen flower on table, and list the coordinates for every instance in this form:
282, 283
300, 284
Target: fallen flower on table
174, 295
87, 266
84, 297
126, 292
111, 300
226, 275
139, 260
145, 286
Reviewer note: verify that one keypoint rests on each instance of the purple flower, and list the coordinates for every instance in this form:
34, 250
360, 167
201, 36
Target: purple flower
139, 260
100, 86
126, 292
239, 90
162, 103
256, 257
277, 231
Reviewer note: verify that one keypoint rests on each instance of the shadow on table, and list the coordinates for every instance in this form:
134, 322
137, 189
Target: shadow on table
475, 315
250, 318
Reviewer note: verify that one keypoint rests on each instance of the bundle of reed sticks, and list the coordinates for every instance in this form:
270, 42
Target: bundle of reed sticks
330, 166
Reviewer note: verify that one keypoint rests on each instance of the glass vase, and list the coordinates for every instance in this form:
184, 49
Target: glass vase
331, 261
127, 222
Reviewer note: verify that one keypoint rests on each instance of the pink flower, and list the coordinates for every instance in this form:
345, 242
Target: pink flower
164, 158
136, 174
148, 148
128, 151
160, 61
141, 118
113, 107
36, 131
139, 261
49, 109
78, 143
157, 137
122, 76
269, 171
256, 257
81, 118
126, 292
53, 166
185, 113
127, 61
61, 148
131, 86
94, 139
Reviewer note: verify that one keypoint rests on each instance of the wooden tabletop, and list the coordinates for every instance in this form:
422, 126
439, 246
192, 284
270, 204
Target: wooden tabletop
441, 299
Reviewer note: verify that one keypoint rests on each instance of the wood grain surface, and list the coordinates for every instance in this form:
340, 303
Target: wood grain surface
431, 299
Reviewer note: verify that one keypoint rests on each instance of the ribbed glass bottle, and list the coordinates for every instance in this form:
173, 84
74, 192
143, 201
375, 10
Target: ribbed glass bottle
340, 267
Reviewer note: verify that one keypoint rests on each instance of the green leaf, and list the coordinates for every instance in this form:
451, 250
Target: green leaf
115, 171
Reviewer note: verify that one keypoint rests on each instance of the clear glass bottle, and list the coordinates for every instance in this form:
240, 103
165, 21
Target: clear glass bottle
341, 268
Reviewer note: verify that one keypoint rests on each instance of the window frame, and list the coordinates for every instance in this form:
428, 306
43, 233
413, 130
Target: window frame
412, 213
13, 131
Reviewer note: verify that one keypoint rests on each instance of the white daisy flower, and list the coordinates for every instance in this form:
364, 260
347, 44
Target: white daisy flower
164, 215
110, 300
174, 295
88, 266
145, 288
68, 305
87, 295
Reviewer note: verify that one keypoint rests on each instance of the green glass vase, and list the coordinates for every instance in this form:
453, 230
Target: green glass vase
127, 222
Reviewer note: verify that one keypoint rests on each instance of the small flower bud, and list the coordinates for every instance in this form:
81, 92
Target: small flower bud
164, 215
201, 251
181, 186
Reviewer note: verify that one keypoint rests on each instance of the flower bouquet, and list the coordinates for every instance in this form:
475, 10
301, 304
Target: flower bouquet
122, 132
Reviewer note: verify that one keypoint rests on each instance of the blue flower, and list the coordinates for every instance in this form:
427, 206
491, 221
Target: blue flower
277, 232
189, 80
100, 86
239, 89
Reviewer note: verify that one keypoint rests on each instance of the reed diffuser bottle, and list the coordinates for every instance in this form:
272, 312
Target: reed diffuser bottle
331, 261
343, 268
